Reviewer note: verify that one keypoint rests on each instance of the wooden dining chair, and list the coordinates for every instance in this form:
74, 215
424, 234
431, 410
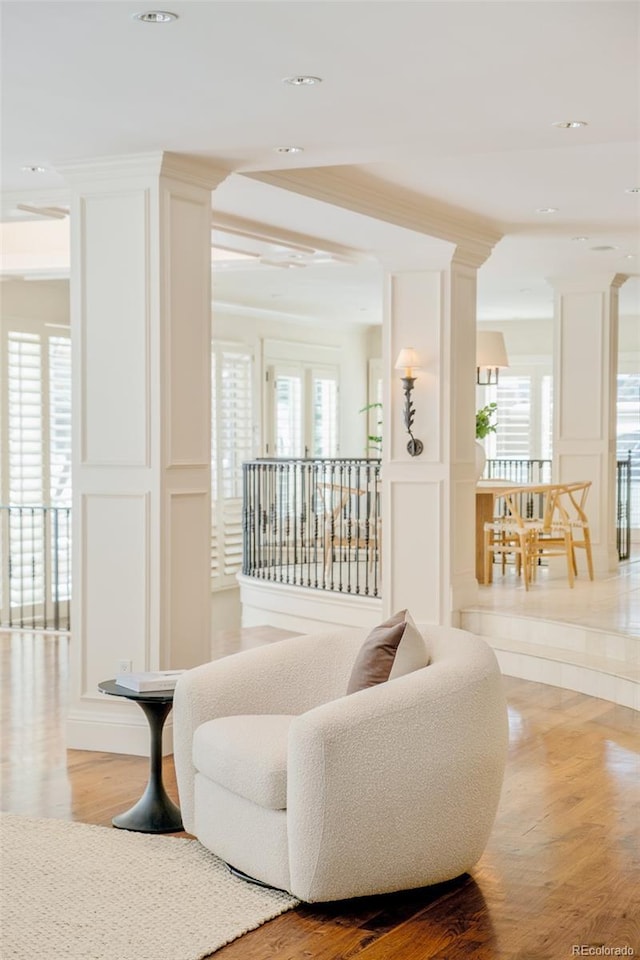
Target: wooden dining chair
565, 526
511, 534
348, 529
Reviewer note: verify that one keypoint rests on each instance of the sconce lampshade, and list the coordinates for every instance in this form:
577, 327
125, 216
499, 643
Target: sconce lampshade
491, 355
408, 360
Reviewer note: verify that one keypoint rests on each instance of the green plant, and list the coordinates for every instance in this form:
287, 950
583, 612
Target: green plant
375, 441
483, 421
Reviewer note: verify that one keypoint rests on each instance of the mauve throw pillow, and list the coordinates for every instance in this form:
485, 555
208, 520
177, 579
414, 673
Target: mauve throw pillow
391, 650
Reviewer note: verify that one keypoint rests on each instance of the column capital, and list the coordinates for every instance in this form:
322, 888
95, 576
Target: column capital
472, 253
588, 284
194, 170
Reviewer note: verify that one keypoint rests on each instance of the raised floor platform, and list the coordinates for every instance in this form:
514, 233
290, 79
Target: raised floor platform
585, 639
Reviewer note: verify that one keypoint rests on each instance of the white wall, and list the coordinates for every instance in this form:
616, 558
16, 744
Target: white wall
45, 300
529, 339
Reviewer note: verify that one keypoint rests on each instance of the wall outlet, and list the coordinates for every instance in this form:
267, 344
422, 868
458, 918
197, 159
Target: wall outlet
124, 666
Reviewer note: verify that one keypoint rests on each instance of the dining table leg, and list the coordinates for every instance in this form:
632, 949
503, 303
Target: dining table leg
484, 514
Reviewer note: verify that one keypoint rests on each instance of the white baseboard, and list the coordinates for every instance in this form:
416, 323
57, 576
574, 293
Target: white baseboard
113, 729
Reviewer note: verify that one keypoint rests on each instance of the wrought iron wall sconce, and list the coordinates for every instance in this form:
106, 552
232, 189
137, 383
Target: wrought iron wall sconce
409, 361
491, 356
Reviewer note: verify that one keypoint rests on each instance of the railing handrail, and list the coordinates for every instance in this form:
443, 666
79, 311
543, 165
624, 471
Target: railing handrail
35, 506
314, 460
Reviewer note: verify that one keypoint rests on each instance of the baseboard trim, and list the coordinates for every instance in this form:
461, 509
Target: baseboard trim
98, 731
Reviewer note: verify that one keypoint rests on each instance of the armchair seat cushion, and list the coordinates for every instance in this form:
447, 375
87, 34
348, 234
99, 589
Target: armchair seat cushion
247, 755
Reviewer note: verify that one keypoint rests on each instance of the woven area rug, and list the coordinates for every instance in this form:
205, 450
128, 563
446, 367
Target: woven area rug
77, 892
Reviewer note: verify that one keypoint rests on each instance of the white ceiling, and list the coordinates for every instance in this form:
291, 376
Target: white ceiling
452, 100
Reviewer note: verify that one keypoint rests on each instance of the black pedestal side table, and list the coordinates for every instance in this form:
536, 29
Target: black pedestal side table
155, 811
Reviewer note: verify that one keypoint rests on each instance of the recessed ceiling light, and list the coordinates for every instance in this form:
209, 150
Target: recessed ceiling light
629, 256
302, 81
289, 149
603, 248
33, 168
580, 239
569, 124
547, 210
632, 190
156, 16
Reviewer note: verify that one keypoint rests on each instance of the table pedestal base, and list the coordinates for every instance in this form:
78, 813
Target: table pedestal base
155, 811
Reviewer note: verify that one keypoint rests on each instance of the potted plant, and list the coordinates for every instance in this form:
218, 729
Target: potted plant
484, 427
483, 421
375, 441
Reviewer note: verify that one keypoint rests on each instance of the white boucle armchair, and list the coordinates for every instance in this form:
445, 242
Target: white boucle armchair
331, 796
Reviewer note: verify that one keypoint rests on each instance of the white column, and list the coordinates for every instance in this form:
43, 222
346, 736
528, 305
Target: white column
141, 341
429, 500
584, 408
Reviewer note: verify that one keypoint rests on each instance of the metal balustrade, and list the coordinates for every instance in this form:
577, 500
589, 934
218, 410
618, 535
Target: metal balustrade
518, 471
35, 567
313, 523
624, 490
309, 523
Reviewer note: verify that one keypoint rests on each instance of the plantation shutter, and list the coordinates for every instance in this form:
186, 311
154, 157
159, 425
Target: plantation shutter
232, 444
513, 437
25, 465
60, 420
628, 435
325, 415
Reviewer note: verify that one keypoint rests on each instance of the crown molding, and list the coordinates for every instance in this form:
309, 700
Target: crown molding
356, 190
301, 242
194, 170
588, 283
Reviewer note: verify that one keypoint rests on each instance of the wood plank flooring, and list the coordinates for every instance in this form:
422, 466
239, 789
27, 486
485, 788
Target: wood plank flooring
561, 872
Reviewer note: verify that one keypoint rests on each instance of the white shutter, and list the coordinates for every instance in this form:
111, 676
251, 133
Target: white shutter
513, 438
546, 417
60, 420
25, 419
232, 444
288, 419
628, 435
325, 415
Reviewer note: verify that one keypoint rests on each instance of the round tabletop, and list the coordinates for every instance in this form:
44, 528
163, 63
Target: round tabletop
154, 696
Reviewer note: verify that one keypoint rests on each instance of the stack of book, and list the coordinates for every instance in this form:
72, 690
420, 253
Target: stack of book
149, 682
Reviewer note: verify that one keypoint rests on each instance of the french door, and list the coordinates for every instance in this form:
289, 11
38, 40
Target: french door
302, 410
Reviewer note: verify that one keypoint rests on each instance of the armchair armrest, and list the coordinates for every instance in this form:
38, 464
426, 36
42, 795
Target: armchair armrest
289, 676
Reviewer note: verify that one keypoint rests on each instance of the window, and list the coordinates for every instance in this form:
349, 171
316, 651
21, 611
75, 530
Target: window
36, 471
524, 416
628, 435
231, 444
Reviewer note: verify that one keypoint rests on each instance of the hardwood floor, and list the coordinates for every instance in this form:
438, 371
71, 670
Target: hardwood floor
561, 871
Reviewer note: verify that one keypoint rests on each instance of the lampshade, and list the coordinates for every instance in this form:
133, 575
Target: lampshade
408, 360
490, 350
